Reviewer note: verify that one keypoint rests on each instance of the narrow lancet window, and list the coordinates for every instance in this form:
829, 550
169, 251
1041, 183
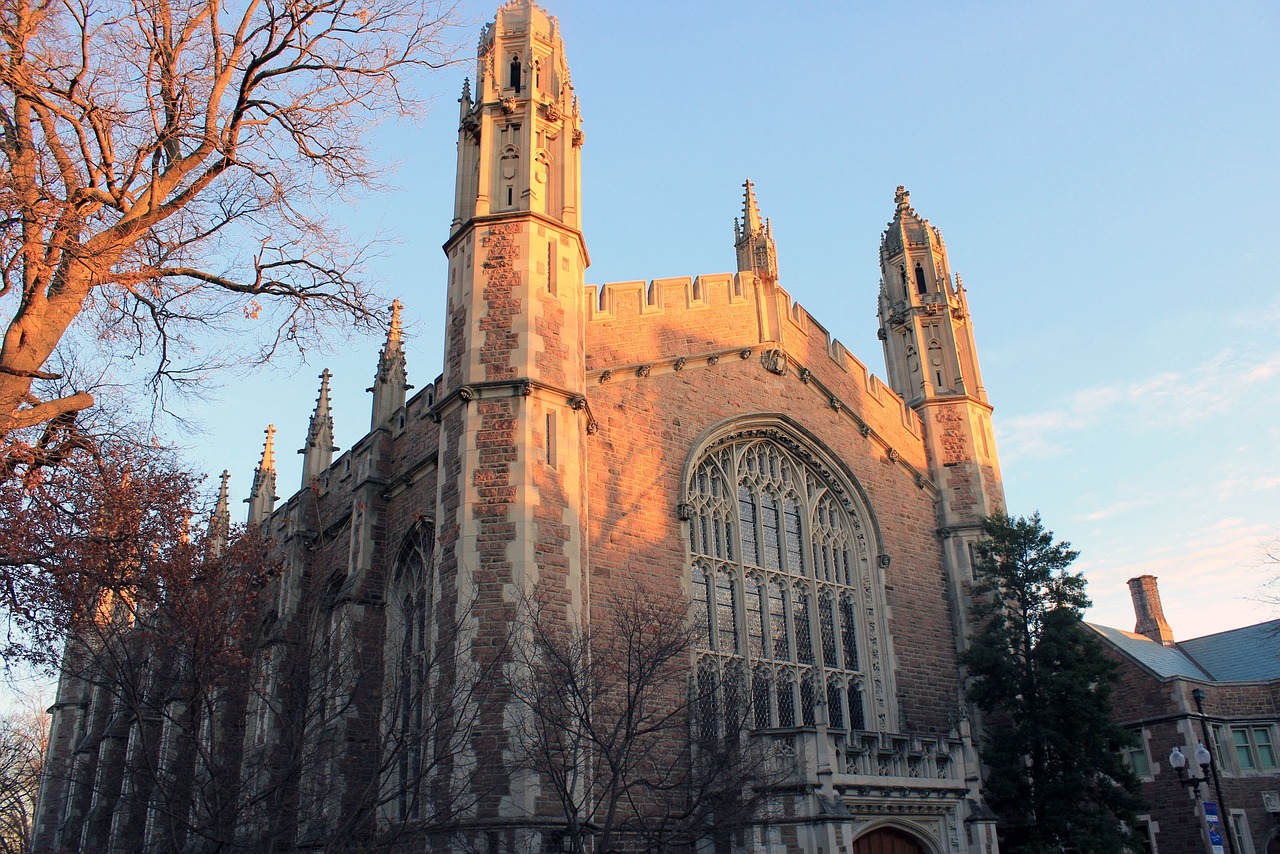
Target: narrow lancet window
514, 82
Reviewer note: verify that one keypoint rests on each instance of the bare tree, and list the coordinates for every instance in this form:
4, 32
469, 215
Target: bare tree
635, 750
23, 735
164, 168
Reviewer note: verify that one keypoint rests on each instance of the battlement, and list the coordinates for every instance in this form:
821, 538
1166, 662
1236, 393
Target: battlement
666, 296
640, 315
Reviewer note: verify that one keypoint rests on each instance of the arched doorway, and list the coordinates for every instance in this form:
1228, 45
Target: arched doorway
887, 840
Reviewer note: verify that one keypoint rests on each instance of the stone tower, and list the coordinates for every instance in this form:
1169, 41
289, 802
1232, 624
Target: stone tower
511, 403
932, 363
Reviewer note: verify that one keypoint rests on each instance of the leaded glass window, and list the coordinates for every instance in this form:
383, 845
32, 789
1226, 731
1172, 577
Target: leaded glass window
780, 578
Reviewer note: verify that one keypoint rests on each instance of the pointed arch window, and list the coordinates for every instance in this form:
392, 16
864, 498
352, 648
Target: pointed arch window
788, 601
921, 285
408, 661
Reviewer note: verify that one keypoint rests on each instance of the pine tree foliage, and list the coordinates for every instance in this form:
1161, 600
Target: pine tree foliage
1055, 773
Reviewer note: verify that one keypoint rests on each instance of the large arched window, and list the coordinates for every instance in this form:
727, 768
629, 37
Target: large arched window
782, 582
408, 657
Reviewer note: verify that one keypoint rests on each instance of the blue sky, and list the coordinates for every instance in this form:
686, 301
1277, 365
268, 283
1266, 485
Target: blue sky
1104, 175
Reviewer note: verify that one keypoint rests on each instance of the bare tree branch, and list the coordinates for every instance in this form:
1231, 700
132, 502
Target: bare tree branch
177, 154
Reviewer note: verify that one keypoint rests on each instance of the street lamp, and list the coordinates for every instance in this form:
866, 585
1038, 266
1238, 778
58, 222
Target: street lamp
1178, 761
1208, 772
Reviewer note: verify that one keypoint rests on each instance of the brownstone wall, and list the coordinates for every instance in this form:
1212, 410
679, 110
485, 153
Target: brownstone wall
1165, 712
649, 423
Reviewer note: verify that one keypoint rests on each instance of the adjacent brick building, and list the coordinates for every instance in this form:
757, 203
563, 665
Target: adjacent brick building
701, 438
1171, 692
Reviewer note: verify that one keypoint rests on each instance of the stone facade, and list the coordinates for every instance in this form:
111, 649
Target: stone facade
698, 438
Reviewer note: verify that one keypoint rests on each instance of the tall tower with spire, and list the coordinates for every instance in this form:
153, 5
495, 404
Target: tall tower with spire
511, 499
932, 364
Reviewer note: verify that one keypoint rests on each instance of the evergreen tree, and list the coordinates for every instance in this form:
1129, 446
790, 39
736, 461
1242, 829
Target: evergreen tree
1055, 773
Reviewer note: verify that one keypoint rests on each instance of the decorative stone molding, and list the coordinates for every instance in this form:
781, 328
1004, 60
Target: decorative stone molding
643, 370
684, 511
891, 454
578, 138
508, 105
526, 388
711, 360
606, 375
578, 403
865, 429
805, 375
679, 364
552, 111
883, 561
745, 354
465, 394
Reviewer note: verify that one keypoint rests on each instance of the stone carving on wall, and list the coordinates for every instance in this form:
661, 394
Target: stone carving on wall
774, 361
951, 436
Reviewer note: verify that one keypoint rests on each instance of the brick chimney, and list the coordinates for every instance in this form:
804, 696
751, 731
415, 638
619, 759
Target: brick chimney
1146, 606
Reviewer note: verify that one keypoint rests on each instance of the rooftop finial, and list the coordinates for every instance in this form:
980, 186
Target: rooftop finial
754, 239
750, 210
268, 462
262, 496
391, 380
220, 521
318, 452
902, 198
393, 332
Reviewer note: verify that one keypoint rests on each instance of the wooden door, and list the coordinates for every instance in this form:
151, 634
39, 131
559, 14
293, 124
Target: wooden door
887, 840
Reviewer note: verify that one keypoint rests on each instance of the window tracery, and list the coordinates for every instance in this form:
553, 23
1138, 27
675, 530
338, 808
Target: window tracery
408, 646
781, 585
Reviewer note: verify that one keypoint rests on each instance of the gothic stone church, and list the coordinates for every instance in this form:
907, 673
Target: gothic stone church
702, 439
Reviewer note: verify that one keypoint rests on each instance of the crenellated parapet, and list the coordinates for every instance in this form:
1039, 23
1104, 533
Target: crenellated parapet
639, 326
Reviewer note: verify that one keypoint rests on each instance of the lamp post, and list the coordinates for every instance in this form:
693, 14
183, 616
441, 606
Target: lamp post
1208, 771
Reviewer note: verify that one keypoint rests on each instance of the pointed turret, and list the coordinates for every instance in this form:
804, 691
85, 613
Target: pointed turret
220, 521
932, 363
753, 238
391, 381
924, 319
262, 497
317, 455
520, 135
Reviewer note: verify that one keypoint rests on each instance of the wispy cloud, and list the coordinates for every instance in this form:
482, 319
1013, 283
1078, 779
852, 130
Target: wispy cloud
1208, 390
1222, 563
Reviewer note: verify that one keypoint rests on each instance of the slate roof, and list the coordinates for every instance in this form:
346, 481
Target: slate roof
1247, 654
1166, 661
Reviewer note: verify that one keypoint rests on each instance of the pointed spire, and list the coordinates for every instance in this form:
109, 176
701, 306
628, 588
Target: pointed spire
465, 100
262, 496
753, 239
317, 455
750, 210
220, 521
391, 381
